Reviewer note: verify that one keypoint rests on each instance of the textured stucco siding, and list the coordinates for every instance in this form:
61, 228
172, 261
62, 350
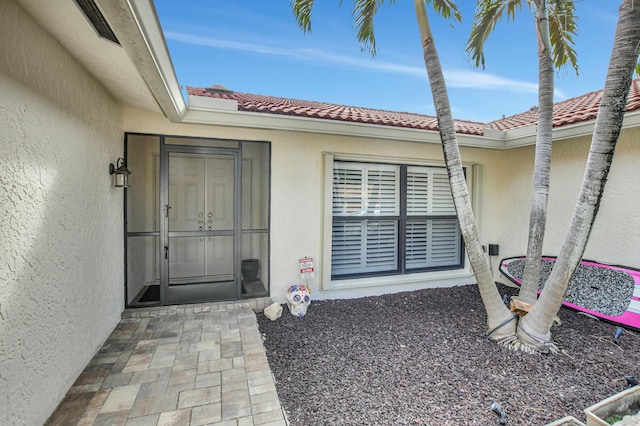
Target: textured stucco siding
61, 251
616, 232
502, 204
297, 185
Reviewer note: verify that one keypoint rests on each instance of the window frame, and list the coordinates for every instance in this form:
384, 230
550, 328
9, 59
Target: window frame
401, 274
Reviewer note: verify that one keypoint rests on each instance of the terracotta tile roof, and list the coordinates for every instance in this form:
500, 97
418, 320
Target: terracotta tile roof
575, 110
570, 111
311, 109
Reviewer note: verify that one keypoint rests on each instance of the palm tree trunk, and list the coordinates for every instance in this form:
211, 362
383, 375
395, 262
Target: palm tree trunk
498, 316
535, 328
540, 193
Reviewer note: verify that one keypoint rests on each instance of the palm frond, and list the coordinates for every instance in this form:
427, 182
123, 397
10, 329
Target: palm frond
562, 29
363, 12
302, 13
487, 15
447, 9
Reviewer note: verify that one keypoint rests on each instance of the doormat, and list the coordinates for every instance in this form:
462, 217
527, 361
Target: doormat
253, 287
151, 294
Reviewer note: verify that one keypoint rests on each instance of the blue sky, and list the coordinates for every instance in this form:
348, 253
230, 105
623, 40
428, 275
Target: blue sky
255, 46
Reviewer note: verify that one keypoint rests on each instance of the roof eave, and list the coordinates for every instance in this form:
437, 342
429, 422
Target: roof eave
525, 136
145, 44
267, 121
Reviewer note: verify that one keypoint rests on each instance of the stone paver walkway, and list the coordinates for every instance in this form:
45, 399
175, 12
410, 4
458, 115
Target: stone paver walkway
178, 365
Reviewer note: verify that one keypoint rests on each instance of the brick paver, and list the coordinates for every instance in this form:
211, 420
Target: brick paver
187, 365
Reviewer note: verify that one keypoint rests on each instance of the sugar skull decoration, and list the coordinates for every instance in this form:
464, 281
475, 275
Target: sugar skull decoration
298, 299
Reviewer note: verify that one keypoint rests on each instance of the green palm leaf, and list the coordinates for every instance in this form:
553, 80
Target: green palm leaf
488, 14
302, 13
562, 28
364, 12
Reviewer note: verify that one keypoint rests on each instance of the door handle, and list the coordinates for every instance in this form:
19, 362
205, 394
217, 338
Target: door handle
200, 225
210, 221
166, 252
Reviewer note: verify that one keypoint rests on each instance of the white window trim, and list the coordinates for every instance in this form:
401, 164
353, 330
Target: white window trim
474, 173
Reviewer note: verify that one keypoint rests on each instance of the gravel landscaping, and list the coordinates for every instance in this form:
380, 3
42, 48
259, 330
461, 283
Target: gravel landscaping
421, 358
607, 291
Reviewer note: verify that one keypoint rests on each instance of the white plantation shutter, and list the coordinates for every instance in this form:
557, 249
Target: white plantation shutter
432, 243
416, 244
362, 243
445, 242
418, 191
382, 245
347, 253
428, 192
441, 199
364, 246
363, 189
348, 191
383, 190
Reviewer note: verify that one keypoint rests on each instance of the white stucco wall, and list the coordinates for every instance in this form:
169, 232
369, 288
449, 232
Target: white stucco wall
504, 185
297, 185
616, 232
61, 261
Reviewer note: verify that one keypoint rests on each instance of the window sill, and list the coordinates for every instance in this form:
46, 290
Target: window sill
398, 280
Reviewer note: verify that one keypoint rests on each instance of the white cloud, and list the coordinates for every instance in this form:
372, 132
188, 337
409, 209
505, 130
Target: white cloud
466, 79
481, 80
225, 44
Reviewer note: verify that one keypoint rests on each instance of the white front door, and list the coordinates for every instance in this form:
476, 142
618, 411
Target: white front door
200, 227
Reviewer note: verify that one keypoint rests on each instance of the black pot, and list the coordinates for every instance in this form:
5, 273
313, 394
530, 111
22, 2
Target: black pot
250, 269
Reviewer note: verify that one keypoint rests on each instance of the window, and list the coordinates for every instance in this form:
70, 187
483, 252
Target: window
392, 219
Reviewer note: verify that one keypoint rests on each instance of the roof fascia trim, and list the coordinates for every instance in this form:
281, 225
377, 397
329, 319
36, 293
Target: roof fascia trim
260, 120
205, 102
585, 128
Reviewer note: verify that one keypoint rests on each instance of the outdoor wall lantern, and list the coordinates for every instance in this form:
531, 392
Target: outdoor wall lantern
121, 178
